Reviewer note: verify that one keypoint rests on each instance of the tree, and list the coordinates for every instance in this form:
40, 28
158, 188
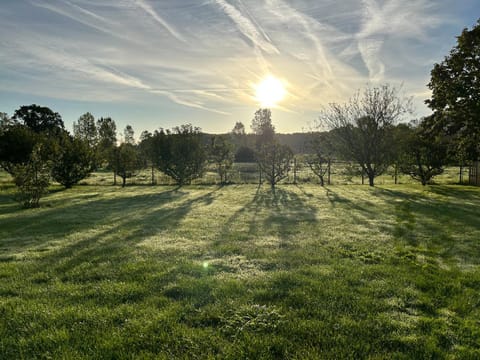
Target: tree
320, 156
74, 162
5, 122
245, 154
455, 99
125, 161
262, 127
362, 127
86, 130
274, 160
148, 152
181, 153
129, 135
32, 179
107, 136
40, 119
107, 142
423, 155
221, 152
238, 129
16, 145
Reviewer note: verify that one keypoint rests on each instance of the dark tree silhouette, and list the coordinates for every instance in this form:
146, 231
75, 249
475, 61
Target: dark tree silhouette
455, 97
40, 119
16, 145
129, 135
262, 127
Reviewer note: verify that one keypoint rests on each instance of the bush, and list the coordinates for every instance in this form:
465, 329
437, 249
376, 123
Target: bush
32, 180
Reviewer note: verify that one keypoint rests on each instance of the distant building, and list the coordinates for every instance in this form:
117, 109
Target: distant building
474, 174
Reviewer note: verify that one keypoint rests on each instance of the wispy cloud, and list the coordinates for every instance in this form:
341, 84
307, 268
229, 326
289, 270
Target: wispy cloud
179, 98
78, 14
144, 5
247, 27
391, 19
207, 55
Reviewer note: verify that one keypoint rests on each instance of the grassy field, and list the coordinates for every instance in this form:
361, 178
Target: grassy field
240, 272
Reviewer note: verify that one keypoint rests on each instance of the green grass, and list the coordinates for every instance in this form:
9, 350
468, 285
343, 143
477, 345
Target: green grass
239, 272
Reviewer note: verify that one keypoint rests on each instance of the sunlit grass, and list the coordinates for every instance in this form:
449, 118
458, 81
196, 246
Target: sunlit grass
241, 272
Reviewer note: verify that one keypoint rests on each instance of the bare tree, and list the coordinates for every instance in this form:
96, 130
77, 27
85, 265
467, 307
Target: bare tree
362, 126
274, 160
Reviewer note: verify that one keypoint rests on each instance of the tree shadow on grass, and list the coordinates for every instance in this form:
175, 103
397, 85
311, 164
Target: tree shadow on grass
448, 224
131, 217
272, 214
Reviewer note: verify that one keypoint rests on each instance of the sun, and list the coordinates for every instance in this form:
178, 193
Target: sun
270, 91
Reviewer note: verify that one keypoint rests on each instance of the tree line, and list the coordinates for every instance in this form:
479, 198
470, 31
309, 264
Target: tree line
369, 129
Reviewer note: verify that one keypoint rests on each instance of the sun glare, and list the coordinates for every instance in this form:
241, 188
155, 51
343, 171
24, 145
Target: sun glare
270, 91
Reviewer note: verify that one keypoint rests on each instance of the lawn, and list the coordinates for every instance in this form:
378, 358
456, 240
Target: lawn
240, 272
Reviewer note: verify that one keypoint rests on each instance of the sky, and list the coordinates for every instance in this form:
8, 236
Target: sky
163, 63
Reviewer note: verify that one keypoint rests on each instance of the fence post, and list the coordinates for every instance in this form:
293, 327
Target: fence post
295, 170
328, 171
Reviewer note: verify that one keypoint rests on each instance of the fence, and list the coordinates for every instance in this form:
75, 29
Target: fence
474, 174
341, 173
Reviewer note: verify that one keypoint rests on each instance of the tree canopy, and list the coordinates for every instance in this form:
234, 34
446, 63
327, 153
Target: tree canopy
455, 100
40, 119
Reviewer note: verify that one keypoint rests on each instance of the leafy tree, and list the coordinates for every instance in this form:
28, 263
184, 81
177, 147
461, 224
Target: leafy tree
221, 152
16, 145
107, 142
107, 136
181, 153
245, 154
74, 161
125, 161
129, 135
262, 127
40, 119
32, 179
455, 99
274, 160
362, 127
423, 155
238, 129
5, 122
148, 152
86, 130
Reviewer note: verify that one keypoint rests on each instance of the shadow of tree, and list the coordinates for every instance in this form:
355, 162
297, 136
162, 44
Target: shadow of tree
270, 213
96, 229
447, 223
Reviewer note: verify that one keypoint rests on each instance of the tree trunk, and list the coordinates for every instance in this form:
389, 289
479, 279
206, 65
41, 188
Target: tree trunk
321, 181
328, 172
295, 170
153, 175
124, 181
371, 178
